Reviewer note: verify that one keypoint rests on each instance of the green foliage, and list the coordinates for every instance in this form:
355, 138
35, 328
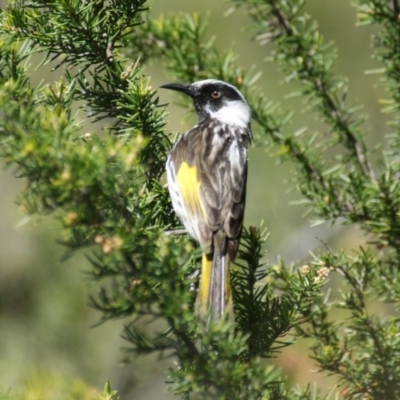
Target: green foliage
107, 190
42, 386
108, 394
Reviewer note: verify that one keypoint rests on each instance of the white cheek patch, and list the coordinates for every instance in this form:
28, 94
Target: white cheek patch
233, 113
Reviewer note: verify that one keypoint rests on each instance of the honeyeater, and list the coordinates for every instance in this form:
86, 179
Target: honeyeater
206, 176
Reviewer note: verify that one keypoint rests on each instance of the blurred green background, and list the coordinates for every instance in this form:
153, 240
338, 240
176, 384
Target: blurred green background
46, 340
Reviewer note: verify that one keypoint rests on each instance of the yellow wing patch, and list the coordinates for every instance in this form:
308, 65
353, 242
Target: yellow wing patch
189, 188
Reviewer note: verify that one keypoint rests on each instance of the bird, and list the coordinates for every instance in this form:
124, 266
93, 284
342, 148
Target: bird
206, 177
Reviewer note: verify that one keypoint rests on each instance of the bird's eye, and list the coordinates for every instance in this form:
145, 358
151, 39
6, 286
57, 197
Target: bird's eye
215, 94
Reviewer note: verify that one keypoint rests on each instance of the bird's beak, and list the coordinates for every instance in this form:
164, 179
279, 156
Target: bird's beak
178, 87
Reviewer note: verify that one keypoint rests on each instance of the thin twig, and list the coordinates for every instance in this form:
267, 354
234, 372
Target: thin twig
174, 232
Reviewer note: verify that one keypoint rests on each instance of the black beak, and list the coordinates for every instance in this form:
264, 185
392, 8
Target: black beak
178, 87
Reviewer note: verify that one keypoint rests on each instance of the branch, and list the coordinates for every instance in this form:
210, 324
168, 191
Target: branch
337, 117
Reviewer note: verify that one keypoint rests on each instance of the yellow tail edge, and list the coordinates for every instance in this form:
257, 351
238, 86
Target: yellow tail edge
204, 295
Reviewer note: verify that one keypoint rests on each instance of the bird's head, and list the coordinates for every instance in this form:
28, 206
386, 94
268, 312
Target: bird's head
216, 99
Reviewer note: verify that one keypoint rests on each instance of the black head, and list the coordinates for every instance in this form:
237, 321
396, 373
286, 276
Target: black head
213, 98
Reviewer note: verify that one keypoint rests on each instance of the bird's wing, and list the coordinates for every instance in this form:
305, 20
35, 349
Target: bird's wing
185, 187
223, 175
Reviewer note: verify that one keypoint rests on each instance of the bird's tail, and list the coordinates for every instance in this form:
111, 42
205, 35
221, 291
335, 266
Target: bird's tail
214, 299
